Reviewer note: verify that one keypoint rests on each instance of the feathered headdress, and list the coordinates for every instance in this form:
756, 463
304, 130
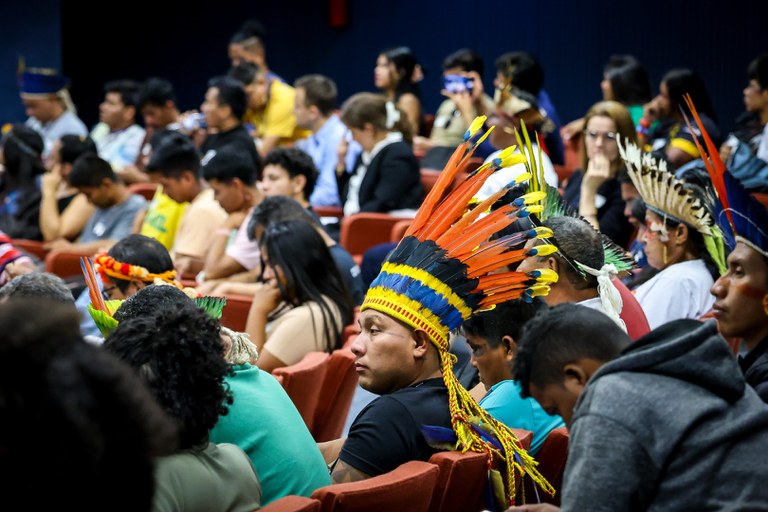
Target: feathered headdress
739, 215
102, 311
615, 258
670, 198
442, 271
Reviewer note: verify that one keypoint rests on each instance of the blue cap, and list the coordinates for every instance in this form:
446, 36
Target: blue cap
42, 82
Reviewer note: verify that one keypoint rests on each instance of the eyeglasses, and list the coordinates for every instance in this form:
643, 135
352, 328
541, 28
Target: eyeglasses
606, 136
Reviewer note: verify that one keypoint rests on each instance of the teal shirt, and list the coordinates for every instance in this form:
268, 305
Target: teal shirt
264, 422
504, 403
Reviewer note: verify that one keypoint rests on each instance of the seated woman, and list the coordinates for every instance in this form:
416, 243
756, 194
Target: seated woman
680, 240
64, 212
303, 304
595, 189
625, 80
22, 148
396, 75
386, 176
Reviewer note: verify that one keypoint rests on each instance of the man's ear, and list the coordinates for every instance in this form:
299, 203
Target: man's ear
575, 377
299, 182
681, 234
421, 343
553, 264
510, 347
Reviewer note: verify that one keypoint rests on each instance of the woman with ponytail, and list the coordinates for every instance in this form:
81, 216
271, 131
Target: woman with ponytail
385, 177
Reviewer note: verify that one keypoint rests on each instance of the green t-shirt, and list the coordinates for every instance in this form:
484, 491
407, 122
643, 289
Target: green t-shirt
264, 422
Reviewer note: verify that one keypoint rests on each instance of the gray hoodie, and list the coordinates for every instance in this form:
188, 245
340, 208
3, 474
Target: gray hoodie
669, 425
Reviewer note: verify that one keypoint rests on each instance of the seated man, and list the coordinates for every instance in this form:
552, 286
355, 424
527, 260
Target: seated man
232, 176
665, 423
584, 277
314, 108
423, 292
492, 336
116, 206
270, 108
287, 172
175, 164
456, 112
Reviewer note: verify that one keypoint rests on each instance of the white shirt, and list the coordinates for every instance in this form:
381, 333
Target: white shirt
679, 291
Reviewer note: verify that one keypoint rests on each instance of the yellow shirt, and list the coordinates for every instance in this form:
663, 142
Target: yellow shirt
277, 118
162, 219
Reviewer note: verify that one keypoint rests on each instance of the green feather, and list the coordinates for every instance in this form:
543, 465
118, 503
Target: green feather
214, 306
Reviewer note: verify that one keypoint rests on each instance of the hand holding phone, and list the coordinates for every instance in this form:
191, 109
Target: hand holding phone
456, 84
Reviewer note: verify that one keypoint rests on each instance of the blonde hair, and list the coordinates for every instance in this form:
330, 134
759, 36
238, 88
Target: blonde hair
619, 114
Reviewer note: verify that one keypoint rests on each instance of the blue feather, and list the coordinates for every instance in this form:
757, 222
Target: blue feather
750, 218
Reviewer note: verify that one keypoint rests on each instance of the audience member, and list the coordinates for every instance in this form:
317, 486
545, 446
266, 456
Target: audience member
45, 94
679, 241
37, 285
175, 164
456, 112
179, 355
20, 194
314, 108
247, 45
523, 71
386, 176
302, 304
117, 136
746, 149
492, 337
631, 446
64, 211
102, 429
584, 277
270, 108
626, 81
264, 422
232, 176
396, 76
115, 206
13, 262
224, 107
595, 189
671, 140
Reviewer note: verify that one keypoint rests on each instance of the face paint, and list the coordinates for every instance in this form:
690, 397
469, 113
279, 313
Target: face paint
657, 229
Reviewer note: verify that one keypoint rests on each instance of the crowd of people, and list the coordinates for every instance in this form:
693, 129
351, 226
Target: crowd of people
626, 300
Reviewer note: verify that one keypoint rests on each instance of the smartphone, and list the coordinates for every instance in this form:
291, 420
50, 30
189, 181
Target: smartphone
458, 84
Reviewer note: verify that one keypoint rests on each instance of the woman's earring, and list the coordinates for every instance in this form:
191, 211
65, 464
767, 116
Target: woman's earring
664, 256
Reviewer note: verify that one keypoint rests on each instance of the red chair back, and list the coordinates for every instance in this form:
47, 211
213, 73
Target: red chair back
235, 312
336, 396
552, 456
399, 229
631, 312
144, 189
65, 263
408, 487
292, 504
33, 247
460, 482
303, 382
361, 231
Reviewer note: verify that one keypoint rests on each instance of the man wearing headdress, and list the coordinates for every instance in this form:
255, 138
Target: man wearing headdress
46, 98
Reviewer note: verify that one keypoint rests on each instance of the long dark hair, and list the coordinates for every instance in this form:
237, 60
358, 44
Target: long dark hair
310, 274
685, 81
22, 151
405, 64
629, 80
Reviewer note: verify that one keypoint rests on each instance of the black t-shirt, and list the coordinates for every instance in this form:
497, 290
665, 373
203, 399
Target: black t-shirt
610, 214
387, 433
350, 272
237, 137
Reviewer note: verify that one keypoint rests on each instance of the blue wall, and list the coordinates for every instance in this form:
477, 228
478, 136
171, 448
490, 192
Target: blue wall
187, 43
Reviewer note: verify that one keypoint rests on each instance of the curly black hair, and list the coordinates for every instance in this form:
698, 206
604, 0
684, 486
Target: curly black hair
178, 353
77, 408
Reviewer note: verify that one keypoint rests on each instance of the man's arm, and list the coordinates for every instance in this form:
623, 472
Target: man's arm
217, 263
343, 472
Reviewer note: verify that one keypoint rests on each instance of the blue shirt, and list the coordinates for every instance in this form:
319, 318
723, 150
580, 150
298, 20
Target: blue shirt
504, 403
321, 146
